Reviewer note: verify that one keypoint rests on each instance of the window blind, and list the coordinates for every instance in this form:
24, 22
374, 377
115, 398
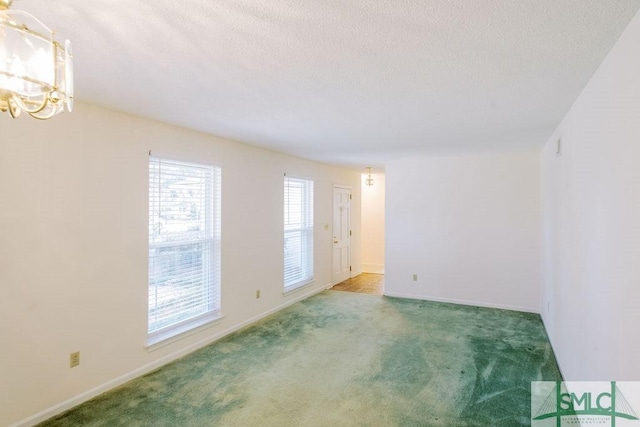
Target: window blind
298, 232
184, 245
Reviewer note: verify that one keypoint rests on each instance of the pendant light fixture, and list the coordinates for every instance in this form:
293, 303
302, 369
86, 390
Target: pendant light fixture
36, 72
369, 180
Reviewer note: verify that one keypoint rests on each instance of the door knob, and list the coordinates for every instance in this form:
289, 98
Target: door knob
335, 239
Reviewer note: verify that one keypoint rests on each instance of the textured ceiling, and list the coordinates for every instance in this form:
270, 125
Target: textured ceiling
343, 81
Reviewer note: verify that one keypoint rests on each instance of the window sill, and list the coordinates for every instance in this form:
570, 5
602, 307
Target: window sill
297, 287
172, 335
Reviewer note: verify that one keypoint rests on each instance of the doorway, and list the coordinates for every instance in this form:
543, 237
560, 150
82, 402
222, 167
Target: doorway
372, 216
365, 283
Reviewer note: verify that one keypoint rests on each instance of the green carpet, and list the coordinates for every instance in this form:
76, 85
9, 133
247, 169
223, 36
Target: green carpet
345, 359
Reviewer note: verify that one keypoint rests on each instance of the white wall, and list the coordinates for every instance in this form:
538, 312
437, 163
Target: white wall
373, 224
591, 224
73, 248
468, 226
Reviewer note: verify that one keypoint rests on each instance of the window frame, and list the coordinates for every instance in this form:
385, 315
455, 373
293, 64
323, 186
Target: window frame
306, 231
210, 266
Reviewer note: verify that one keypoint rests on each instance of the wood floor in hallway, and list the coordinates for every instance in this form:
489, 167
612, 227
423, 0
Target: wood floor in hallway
365, 283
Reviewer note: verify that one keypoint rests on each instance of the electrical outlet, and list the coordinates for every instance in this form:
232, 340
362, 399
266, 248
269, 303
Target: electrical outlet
74, 359
258, 294
415, 277
548, 306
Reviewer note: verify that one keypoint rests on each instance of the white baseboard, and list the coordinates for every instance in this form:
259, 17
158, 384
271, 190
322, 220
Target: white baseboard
464, 302
373, 268
90, 394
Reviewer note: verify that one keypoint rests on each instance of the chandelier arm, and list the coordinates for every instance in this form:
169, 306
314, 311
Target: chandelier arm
51, 113
22, 105
14, 110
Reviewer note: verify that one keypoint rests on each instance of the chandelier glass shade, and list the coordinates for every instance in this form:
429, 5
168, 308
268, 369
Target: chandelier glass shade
36, 72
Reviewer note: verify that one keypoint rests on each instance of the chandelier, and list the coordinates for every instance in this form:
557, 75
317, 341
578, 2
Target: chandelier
369, 180
36, 72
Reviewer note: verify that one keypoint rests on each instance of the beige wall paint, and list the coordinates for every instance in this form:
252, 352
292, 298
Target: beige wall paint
468, 226
73, 252
373, 224
591, 224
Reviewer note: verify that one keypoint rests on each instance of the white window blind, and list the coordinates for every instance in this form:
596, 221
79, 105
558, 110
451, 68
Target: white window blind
298, 232
184, 246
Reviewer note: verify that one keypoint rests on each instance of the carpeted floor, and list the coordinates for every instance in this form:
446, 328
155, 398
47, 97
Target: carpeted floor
345, 359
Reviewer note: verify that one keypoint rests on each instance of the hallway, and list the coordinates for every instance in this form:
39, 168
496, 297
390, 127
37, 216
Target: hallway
365, 283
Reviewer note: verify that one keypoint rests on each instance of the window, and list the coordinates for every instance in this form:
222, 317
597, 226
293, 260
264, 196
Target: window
184, 247
298, 233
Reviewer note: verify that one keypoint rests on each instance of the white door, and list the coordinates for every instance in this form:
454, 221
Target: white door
341, 234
